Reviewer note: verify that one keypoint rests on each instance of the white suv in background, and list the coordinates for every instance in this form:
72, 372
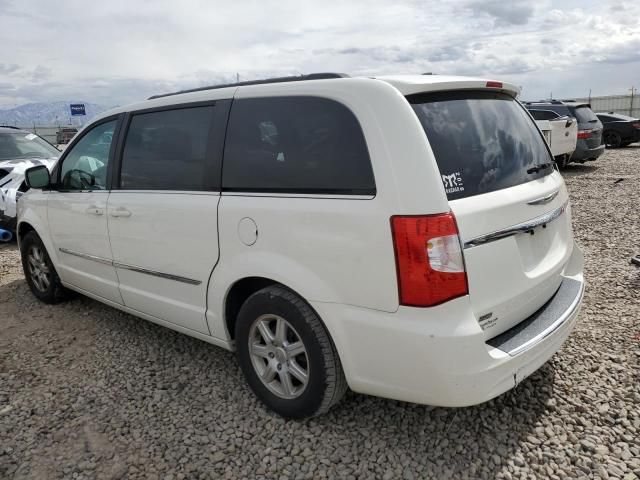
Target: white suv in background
405, 236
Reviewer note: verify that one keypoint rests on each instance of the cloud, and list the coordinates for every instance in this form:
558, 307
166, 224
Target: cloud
113, 53
447, 54
504, 12
9, 68
41, 73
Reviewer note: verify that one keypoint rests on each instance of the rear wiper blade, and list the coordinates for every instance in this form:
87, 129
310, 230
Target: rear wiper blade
541, 166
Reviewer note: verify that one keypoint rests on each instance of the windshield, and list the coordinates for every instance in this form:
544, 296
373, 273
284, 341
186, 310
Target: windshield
482, 141
25, 145
585, 115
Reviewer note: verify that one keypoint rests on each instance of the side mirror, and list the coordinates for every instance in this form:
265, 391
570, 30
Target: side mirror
569, 122
37, 177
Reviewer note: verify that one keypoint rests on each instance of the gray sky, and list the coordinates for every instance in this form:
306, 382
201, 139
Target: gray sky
115, 52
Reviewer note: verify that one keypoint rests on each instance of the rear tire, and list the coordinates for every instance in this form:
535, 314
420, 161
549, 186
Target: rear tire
39, 271
286, 354
612, 139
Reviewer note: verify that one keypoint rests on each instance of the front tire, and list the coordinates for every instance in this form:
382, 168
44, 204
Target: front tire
286, 354
39, 271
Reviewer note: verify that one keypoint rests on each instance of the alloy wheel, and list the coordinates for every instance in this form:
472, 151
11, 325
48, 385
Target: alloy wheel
279, 356
38, 268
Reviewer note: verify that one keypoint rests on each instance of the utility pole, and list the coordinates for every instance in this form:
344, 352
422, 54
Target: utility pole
633, 91
237, 78
589, 96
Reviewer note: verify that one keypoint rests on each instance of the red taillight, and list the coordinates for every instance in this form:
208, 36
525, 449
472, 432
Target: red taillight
494, 84
584, 133
429, 259
636, 125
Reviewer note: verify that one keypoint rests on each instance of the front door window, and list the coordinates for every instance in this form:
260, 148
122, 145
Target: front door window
85, 166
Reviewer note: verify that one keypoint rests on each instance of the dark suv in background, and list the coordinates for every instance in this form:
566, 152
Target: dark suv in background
589, 145
619, 130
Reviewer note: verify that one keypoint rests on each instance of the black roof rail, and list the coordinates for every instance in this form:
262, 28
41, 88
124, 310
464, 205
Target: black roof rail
293, 78
10, 126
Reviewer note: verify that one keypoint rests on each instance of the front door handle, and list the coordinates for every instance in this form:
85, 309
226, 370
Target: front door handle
95, 210
120, 212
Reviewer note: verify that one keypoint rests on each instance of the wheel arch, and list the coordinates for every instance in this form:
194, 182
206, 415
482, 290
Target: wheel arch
243, 288
24, 228
237, 294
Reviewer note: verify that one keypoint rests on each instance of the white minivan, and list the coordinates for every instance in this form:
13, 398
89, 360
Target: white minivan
402, 236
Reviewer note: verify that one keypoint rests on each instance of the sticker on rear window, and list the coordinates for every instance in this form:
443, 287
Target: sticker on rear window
453, 182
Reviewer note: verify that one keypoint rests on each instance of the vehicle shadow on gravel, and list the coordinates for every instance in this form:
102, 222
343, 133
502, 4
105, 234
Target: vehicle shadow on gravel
578, 169
122, 383
472, 442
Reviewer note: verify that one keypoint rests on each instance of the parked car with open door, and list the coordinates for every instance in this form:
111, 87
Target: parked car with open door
561, 133
589, 137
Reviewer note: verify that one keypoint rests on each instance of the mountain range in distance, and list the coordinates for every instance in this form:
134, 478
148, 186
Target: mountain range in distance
48, 114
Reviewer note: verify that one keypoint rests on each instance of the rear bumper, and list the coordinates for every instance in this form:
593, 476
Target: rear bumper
439, 356
634, 137
584, 152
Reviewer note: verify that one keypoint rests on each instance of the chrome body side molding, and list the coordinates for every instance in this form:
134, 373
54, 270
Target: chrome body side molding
168, 276
86, 256
519, 228
133, 268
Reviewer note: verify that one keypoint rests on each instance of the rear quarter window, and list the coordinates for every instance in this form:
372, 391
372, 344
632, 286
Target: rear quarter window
482, 141
295, 145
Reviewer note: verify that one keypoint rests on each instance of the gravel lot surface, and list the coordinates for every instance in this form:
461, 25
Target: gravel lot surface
89, 392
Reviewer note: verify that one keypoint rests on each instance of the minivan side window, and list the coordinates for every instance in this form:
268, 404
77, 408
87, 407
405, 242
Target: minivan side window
168, 150
85, 166
296, 144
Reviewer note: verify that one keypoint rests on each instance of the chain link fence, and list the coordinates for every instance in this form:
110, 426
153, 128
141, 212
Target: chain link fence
623, 104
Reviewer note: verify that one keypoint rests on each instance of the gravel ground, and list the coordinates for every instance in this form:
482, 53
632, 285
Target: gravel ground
89, 392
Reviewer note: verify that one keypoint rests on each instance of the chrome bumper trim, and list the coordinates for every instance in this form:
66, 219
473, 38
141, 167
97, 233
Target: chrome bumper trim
502, 341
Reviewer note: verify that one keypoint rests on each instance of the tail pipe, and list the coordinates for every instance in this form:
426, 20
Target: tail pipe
5, 235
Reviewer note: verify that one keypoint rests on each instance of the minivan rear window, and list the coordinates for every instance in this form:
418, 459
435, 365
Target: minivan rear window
482, 141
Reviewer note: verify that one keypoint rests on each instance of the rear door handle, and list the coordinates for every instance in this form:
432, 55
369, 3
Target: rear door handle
120, 212
95, 210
